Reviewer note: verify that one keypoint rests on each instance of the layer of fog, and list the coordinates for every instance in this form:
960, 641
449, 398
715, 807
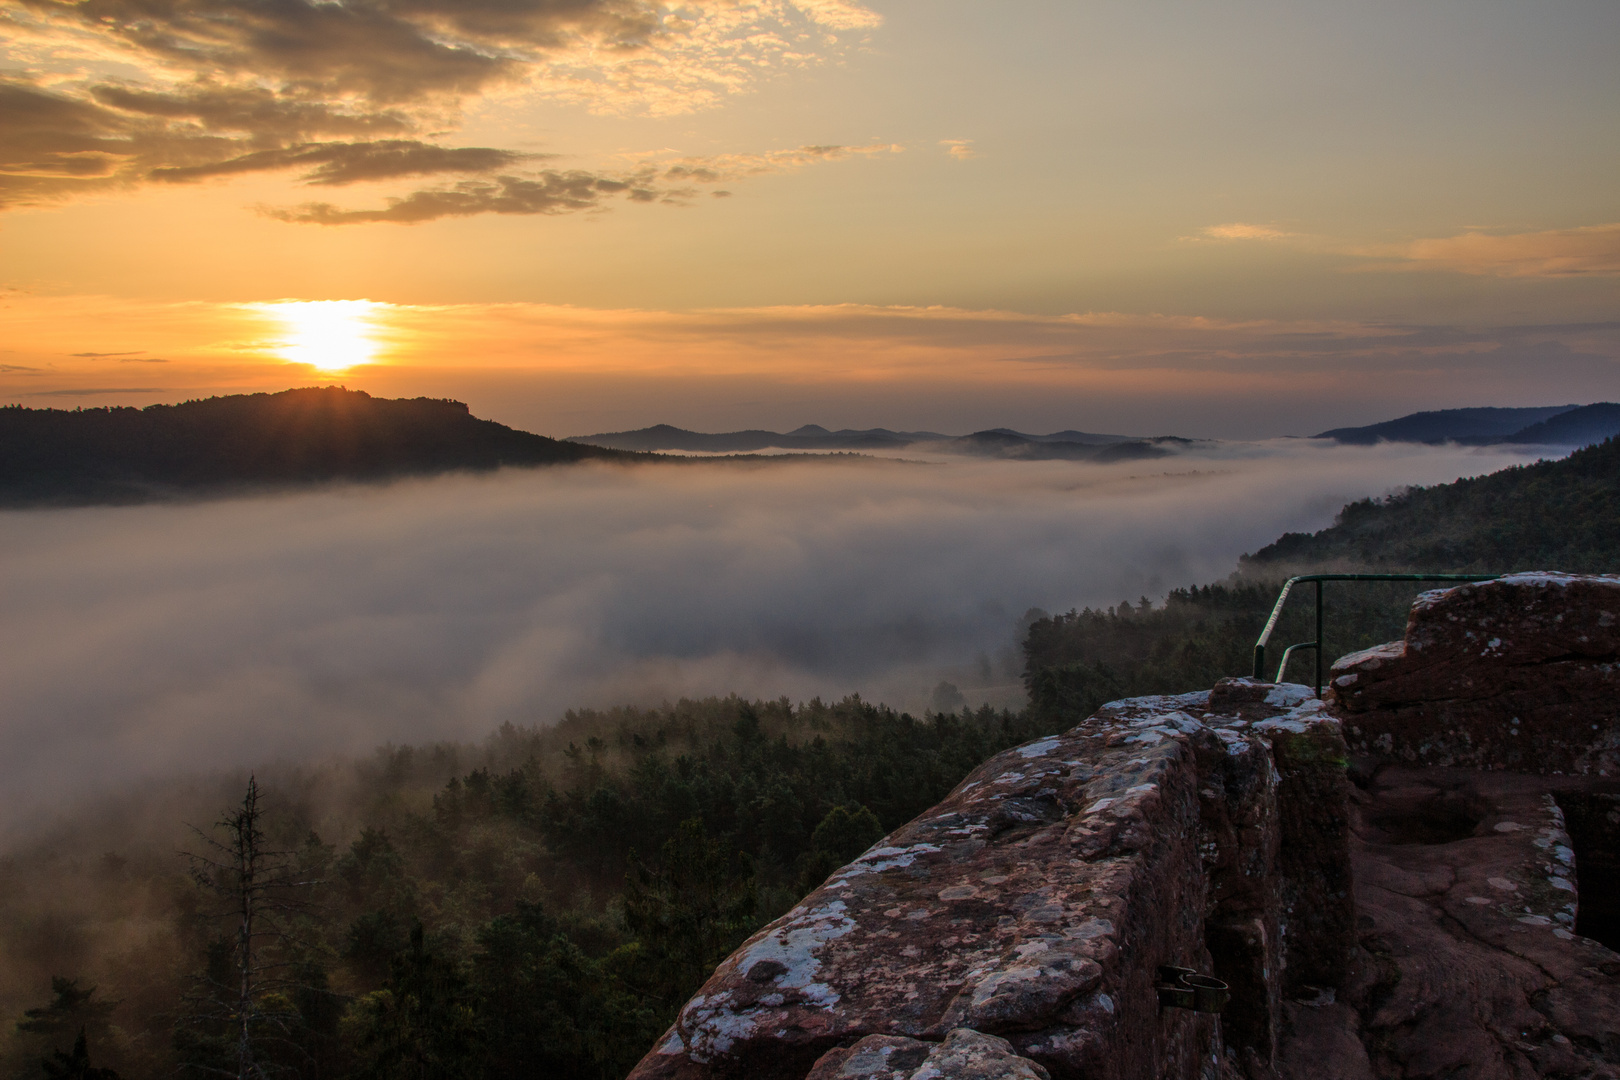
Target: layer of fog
143, 642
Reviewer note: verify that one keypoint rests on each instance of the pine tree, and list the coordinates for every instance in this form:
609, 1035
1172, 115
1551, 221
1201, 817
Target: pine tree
242, 1020
72, 1010
75, 1065
690, 912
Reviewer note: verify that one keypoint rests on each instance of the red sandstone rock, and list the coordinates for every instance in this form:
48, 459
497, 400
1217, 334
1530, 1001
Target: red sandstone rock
1520, 673
963, 1055
1032, 901
1466, 892
1037, 903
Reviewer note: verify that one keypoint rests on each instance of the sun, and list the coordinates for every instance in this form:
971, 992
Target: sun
328, 335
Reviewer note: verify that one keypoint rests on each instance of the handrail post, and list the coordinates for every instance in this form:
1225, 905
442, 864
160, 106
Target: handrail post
1259, 661
1319, 644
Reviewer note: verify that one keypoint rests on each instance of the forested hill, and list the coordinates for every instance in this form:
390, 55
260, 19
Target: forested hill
1557, 515
119, 455
1553, 515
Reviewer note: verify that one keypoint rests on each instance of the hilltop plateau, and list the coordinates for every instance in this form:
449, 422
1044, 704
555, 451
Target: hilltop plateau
126, 455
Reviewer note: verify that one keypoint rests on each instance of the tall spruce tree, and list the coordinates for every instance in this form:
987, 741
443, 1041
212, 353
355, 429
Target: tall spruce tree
241, 1018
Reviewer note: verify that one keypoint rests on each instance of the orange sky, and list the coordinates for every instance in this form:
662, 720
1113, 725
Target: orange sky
1261, 220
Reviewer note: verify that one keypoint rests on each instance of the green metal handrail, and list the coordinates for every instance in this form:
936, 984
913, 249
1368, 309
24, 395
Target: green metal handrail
1318, 579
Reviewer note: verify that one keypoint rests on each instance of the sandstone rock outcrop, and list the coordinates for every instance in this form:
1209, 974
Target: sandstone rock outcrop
1451, 913
1520, 673
1039, 900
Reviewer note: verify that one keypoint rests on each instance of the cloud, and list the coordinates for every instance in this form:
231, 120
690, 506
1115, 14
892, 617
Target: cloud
549, 193
558, 192
723, 168
97, 391
960, 149
840, 14
1588, 251
349, 163
145, 642
50, 143
252, 110
1238, 231
221, 87
383, 52
105, 355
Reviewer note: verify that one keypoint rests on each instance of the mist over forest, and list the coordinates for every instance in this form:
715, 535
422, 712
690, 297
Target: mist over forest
546, 744
163, 640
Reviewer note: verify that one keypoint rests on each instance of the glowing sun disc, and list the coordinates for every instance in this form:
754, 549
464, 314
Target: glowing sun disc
329, 335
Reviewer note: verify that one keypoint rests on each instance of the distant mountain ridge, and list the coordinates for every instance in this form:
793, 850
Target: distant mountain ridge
994, 442
125, 455
1556, 425
1578, 427
809, 437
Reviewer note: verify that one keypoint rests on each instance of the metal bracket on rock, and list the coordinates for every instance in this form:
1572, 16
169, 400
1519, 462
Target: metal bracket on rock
1184, 988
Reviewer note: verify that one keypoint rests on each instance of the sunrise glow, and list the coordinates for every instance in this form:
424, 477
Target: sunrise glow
609, 214
328, 335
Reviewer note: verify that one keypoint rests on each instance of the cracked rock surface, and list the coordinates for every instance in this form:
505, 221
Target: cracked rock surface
1037, 902
964, 1055
1469, 963
1520, 673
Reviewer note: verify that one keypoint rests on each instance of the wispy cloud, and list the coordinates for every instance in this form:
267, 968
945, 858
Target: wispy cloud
1238, 230
723, 168
97, 391
1588, 251
1585, 251
336, 163
564, 192
960, 149
549, 193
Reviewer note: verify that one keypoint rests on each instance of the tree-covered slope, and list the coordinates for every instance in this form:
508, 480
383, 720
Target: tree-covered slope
1447, 425
129, 455
539, 906
1553, 515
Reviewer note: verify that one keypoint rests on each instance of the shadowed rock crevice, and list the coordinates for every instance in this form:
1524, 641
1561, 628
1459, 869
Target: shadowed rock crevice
1593, 821
1429, 817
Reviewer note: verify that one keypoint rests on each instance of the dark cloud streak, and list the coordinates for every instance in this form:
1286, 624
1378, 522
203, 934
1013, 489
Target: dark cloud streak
350, 163
255, 111
562, 192
549, 193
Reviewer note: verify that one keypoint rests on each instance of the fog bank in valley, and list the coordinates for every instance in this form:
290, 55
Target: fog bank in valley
143, 642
